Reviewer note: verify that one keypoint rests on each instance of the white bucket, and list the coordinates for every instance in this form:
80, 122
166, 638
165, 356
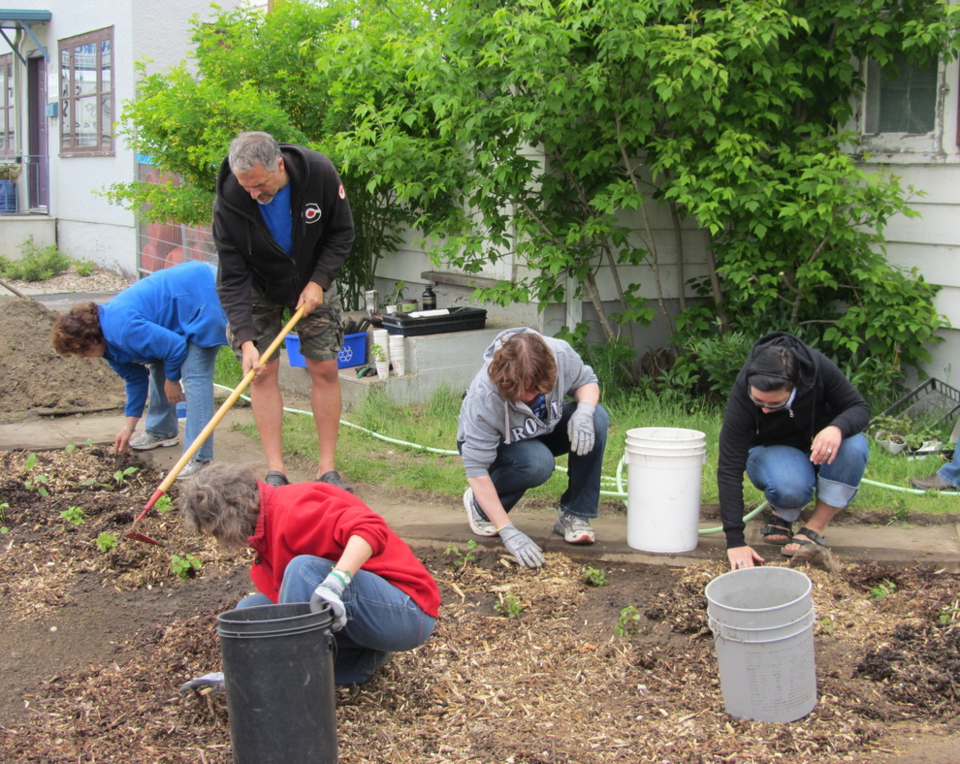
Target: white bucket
664, 466
762, 623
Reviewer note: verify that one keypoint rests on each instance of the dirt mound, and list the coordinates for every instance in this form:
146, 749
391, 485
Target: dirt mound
38, 382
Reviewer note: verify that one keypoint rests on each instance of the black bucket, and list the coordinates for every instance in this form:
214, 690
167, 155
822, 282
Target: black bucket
278, 664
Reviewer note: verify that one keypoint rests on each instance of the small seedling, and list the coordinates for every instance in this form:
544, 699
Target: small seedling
39, 481
70, 448
628, 622
950, 614
827, 625
508, 606
164, 504
900, 513
884, 589
106, 541
594, 577
3, 517
462, 558
185, 567
120, 475
74, 515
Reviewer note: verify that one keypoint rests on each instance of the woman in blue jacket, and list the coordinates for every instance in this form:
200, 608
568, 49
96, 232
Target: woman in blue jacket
161, 334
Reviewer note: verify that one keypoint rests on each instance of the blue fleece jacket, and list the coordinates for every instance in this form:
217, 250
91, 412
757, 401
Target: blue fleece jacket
153, 320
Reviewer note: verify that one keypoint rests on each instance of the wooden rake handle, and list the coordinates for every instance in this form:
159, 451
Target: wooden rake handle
221, 412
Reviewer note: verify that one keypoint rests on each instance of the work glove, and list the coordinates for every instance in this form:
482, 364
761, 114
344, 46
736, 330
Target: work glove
331, 590
521, 546
580, 429
213, 682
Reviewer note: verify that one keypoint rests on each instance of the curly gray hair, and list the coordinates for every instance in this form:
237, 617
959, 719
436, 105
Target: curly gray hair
224, 501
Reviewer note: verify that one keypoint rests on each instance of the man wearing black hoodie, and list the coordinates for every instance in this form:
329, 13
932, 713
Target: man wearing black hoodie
794, 424
283, 228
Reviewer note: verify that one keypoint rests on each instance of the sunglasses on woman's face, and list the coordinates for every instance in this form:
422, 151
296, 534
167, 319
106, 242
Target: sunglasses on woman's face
768, 405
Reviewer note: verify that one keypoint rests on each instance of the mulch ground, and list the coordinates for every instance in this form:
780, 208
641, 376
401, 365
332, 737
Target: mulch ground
526, 666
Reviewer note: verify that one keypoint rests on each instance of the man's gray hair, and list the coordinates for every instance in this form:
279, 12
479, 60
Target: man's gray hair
250, 149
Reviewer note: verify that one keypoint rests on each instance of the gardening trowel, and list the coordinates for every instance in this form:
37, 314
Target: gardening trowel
205, 433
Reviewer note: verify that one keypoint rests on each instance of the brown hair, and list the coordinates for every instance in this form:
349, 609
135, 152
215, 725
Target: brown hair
523, 363
78, 330
224, 500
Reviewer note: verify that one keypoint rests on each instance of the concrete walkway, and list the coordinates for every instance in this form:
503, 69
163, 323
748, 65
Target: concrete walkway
439, 523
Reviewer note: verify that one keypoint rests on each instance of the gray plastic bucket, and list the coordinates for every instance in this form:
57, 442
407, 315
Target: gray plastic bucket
278, 666
664, 467
762, 623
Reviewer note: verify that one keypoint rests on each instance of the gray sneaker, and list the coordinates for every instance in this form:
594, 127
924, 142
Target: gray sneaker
147, 440
574, 529
191, 468
478, 524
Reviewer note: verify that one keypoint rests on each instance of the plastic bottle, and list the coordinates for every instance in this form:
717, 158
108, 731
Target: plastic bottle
428, 299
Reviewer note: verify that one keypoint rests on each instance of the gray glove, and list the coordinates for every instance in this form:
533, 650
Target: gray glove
331, 591
213, 682
580, 429
521, 546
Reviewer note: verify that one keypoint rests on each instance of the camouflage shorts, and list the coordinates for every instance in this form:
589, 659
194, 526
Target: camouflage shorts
321, 333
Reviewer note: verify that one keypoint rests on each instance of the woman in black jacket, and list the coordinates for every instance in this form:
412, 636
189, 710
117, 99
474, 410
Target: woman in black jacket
794, 424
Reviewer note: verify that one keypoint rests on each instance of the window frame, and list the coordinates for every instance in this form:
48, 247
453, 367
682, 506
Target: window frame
106, 142
8, 117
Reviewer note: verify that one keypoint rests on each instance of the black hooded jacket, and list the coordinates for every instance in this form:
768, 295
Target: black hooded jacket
323, 234
824, 397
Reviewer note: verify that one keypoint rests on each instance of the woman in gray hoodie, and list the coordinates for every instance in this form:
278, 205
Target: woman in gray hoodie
514, 421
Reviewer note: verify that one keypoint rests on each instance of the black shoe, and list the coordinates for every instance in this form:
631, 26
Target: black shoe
333, 478
276, 478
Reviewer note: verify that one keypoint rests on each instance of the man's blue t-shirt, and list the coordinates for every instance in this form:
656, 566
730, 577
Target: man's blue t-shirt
279, 218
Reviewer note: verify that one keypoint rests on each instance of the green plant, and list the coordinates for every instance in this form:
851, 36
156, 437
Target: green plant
900, 514
508, 605
106, 541
462, 558
629, 621
594, 577
84, 267
3, 517
164, 504
884, 589
38, 482
185, 567
950, 614
37, 264
827, 625
378, 353
74, 515
121, 475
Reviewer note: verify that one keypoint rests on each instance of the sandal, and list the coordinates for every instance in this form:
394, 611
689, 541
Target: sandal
777, 530
813, 542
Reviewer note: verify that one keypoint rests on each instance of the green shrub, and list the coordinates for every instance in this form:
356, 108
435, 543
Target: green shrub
37, 264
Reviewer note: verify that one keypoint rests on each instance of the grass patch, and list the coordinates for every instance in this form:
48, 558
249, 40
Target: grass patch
386, 460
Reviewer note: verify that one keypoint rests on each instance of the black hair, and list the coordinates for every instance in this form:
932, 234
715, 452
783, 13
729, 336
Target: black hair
773, 368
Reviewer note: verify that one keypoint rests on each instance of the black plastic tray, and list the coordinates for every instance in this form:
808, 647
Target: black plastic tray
457, 320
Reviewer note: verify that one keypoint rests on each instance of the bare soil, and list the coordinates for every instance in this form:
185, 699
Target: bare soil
526, 666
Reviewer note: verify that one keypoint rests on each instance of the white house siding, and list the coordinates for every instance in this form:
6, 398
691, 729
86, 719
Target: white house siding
88, 226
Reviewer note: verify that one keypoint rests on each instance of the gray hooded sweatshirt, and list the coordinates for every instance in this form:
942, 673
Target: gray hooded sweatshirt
487, 420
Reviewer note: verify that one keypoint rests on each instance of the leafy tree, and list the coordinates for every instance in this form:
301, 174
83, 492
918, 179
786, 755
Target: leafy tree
581, 122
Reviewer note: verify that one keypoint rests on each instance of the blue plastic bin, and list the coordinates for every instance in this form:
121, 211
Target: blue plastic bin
353, 352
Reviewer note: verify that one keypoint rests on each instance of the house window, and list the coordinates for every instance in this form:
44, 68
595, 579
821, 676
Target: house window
7, 121
904, 104
86, 94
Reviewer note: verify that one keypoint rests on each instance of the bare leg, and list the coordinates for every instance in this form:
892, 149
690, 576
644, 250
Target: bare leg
325, 401
818, 522
267, 402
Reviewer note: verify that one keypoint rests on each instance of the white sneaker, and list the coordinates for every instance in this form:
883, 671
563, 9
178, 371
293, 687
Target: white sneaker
478, 524
574, 529
145, 441
191, 468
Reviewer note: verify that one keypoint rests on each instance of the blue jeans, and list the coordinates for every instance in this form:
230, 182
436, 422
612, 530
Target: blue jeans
788, 478
196, 376
381, 619
951, 472
528, 463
